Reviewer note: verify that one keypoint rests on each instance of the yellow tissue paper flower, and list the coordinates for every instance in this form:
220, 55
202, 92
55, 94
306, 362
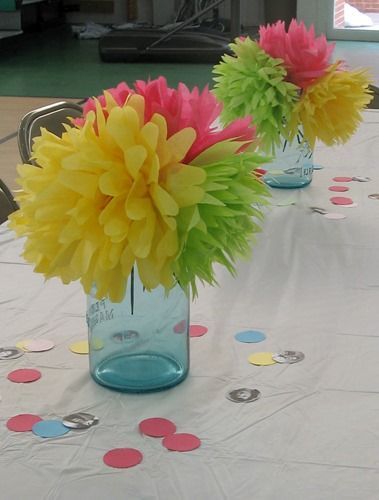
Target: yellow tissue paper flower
106, 198
330, 109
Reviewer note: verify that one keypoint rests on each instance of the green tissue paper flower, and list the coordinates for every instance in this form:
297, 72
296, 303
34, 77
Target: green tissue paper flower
252, 83
221, 227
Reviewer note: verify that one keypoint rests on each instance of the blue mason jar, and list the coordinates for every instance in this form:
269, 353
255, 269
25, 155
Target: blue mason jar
142, 343
292, 166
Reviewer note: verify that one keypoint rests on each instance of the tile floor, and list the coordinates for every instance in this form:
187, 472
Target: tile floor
54, 64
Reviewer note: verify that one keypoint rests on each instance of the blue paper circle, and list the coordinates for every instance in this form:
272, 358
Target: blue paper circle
250, 336
317, 167
49, 428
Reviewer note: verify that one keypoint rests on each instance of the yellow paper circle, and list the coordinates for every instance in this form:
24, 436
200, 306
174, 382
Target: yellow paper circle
97, 344
22, 344
261, 359
80, 347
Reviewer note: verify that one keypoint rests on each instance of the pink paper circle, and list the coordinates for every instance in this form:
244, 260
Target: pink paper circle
341, 200
197, 330
157, 427
24, 375
342, 179
39, 345
181, 442
339, 189
180, 327
122, 458
260, 171
23, 422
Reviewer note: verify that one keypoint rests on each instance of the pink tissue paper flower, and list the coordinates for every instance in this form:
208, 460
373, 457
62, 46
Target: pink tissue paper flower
181, 108
306, 57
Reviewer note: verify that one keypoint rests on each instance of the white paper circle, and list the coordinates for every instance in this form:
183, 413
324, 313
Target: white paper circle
334, 216
352, 205
39, 345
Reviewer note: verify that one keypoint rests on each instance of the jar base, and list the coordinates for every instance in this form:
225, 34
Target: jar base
145, 372
285, 181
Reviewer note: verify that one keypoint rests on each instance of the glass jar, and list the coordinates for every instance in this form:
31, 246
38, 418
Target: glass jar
142, 343
292, 166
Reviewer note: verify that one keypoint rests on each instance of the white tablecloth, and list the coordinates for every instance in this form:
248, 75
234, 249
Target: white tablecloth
312, 285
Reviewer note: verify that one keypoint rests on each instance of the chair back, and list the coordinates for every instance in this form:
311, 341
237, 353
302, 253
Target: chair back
7, 203
374, 104
50, 117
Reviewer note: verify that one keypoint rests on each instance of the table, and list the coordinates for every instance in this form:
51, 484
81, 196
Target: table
312, 285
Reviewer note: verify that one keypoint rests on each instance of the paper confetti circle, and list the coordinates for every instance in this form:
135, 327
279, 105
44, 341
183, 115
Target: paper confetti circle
261, 359
361, 178
334, 216
80, 420
181, 442
22, 344
38, 345
180, 327
22, 422
122, 458
286, 202
49, 428
288, 357
319, 210
80, 347
339, 189
97, 344
342, 179
24, 375
197, 330
157, 427
341, 200
243, 395
10, 353
250, 336
260, 171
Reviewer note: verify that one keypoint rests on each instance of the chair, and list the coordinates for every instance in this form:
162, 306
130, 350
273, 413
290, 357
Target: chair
7, 203
50, 117
374, 104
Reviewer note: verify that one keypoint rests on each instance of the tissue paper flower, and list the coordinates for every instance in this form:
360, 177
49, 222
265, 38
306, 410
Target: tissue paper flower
115, 192
287, 83
220, 221
330, 109
181, 108
119, 95
305, 57
253, 83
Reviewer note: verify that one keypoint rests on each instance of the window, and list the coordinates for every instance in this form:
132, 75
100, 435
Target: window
340, 20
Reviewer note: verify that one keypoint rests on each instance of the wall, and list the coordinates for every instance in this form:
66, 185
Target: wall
252, 12
313, 12
161, 12
339, 16
365, 5
285, 10
115, 14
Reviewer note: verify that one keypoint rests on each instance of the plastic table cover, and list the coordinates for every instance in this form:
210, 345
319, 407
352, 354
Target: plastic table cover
312, 285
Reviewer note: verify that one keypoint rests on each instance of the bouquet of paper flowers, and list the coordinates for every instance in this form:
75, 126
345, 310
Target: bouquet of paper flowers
143, 179
286, 81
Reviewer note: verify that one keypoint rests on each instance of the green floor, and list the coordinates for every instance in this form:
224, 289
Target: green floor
55, 64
